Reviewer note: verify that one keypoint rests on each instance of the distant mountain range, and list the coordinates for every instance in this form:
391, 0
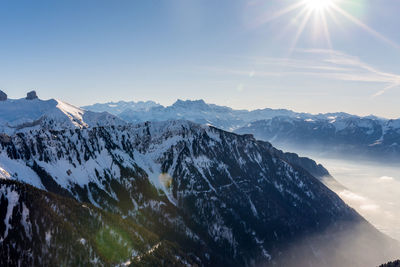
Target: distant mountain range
100, 191
197, 111
350, 136
333, 133
117, 108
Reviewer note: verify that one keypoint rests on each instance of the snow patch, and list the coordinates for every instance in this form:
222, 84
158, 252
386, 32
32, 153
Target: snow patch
12, 198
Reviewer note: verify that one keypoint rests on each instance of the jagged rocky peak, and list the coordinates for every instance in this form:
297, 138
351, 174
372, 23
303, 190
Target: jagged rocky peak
3, 96
31, 95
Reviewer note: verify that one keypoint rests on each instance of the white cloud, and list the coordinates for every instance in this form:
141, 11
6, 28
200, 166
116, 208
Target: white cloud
386, 178
369, 207
350, 196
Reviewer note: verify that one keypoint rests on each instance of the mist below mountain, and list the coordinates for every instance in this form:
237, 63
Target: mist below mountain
371, 188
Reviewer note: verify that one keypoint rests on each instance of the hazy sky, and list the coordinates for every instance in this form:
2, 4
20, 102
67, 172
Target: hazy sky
244, 54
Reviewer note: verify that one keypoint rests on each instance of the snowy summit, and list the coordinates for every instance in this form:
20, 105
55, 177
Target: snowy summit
29, 113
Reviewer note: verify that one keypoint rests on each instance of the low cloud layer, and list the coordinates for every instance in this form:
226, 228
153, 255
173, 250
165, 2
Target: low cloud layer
371, 189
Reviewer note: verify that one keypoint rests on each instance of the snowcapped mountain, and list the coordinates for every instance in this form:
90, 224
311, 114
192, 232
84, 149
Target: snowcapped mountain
334, 133
197, 111
225, 199
368, 137
117, 108
24, 114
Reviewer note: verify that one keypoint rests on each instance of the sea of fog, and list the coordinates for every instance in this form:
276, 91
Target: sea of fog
373, 189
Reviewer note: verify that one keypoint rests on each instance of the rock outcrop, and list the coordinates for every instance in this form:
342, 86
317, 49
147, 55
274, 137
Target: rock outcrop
3, 96
31, 95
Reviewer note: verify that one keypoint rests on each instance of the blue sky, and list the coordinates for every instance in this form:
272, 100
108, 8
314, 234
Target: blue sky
228, 52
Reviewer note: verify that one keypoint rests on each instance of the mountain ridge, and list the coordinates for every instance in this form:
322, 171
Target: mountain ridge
200, 102
351, 137
23, 114
370, 136
236, 200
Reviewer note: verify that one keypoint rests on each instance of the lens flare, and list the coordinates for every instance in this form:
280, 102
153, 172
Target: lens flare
320, 12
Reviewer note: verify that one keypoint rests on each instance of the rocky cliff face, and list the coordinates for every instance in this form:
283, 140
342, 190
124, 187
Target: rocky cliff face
31, 95
3, 96
227, 199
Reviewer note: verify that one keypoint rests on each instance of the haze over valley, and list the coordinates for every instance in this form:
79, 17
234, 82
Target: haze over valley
371, 188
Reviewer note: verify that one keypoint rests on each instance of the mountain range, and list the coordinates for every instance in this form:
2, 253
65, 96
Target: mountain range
89, 189
334, 133
197, 111
353, 137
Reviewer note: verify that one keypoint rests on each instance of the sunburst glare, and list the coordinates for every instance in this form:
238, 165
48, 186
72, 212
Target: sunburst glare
320, 12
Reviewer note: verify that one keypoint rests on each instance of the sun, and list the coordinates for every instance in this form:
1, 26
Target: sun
319, 5
323, 14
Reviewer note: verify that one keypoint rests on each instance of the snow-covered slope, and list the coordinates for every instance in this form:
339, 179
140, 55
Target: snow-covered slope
18, 115
229, 199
